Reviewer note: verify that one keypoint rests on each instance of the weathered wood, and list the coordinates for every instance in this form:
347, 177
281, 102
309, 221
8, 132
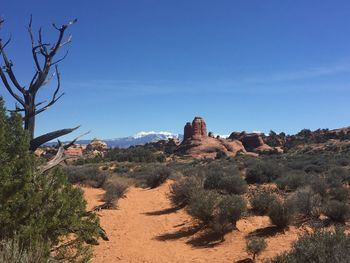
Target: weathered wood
44, 55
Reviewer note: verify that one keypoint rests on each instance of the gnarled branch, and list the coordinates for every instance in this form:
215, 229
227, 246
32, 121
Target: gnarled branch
38, 141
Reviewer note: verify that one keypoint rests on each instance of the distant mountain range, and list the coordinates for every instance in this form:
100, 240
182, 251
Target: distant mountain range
138, 139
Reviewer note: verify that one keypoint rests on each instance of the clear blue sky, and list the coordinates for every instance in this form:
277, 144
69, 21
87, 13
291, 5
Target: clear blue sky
153, 65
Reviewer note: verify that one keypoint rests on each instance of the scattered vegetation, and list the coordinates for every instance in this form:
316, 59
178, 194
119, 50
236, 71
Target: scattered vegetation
281, 213
182, 190
255, 246
115, 188
261, 200
156, 177
89, 175
321, 246
37, 208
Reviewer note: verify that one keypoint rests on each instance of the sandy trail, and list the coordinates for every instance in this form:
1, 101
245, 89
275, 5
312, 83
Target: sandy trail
144, 230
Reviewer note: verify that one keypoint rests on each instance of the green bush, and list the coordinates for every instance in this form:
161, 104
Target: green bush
292, 180
115, 188
39, 208
212, 178
12, 251
340, 173
337, 211
138, 154
89, 175
202, 205
263, 172
340, 193
229, 210
261, 200
307, 202
225, 179
318, 247
233, 184
318, 185
255, 246
181, 190
281, 213
156, 177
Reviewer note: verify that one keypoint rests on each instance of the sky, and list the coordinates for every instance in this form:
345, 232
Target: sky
142, 65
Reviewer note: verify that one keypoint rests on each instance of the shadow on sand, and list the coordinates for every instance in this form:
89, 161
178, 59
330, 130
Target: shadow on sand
164, 211
266, 231
183, 232
199, 235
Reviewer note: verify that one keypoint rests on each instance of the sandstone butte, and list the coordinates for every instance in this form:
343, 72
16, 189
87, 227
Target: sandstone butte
198, 144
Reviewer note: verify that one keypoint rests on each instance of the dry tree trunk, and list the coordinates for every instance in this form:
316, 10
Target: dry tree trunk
43, 54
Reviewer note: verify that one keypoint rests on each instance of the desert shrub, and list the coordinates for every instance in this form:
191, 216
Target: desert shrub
157, 176
340, 193
220, 155
319, 247
229, 210
261, 200
307, 202
39, 208
342, 161
181, 190
233, 184
227, 179
312, 168
339, 173
318, 185
263, 172
121, 169
202, 205
89, 175
212, 178
281, 213
116, 188
139, 154
291, 180
337, 211
255, 246
11, 250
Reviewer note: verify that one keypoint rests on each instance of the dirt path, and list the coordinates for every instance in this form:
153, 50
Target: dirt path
143, 229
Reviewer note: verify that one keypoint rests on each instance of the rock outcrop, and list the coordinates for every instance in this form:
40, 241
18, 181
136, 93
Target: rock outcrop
97, 145
251, 141
196, 130
198, 144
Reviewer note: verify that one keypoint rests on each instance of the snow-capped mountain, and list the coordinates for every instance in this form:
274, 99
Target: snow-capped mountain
137, 139
141, 138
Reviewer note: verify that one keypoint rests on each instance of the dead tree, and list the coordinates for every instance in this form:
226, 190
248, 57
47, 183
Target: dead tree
46, 68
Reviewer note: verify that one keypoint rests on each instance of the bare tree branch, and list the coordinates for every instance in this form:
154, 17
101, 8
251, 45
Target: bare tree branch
60, 155
36, 142
54, 97
44, 58
9, 89
8, 68
34, 53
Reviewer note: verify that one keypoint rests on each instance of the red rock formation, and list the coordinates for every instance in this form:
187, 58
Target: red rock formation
188, 131
199, 128
199, 145
251, 141
195, 131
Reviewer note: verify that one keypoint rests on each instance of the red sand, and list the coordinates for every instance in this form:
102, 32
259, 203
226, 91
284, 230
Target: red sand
133, 233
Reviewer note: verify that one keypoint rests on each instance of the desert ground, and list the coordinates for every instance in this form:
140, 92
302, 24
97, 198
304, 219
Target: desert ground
145, 228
